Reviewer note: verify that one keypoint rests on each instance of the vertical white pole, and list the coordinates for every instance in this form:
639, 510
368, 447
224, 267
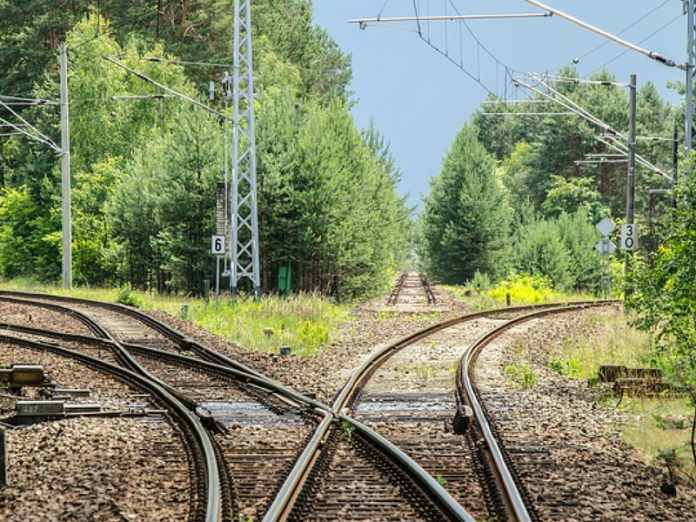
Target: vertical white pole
65, 185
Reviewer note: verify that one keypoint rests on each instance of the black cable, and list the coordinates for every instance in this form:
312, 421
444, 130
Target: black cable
617, 34
640, 42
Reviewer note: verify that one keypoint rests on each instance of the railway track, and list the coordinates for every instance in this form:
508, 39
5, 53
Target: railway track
346, 471
460, 473
257, 428
120, 387
412, 290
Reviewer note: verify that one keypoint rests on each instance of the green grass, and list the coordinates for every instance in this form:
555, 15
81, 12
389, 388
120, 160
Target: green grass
479, 301
303, 322
612, 341
521, 375
646, 430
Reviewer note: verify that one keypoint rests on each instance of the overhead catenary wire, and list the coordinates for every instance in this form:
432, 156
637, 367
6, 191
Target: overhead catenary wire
662, 28
167, 89
650, 54
38, 135
612, 134
159, 59
605, 43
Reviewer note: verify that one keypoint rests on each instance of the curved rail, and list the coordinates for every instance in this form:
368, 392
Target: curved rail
193, 424
161, 327
509, 486
290, 491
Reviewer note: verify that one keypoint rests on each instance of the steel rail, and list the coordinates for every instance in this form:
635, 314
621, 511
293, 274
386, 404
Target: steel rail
213, 503
428, 289
191, 421
191, 362
394, 295
509, 485
161, 327
363, 372
121, 353
291, 489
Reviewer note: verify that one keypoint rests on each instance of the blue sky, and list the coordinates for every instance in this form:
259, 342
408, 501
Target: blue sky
419, 100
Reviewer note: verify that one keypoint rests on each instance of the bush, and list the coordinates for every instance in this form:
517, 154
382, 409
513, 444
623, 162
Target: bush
523, 288
127, 296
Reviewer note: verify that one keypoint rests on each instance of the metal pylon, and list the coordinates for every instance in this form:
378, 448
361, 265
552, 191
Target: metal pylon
689, 6
245, 230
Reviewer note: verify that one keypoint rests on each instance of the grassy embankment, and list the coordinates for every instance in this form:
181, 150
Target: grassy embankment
658, 427
303, 322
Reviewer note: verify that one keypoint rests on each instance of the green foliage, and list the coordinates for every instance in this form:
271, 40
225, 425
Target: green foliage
480, 282
349, 430
568, 196
665, 294
521, 375
538, 160
145, 170
561, 249
304, 322
312, 335
127, 296
523, 289
27, 235
464, 222
568, 367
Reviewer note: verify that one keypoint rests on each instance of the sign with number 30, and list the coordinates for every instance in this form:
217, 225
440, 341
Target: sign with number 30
629, 237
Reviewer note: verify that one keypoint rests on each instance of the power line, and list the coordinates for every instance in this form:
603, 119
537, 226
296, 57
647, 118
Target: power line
650, 54
176, 62
165, 88
602, 45
641, 41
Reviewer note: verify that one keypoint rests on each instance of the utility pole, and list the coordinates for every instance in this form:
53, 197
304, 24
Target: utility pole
65, 184
690, 71
675, 166
631, 178
245, 230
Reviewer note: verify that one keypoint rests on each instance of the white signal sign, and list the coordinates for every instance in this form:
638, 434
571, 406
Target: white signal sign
605, 247
217, 245
629, 237
605, 226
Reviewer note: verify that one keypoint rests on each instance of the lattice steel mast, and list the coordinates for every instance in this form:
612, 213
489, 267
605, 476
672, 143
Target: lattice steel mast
245, 231
689, 6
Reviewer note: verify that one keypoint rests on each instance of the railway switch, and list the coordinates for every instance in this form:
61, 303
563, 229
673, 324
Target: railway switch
20, 375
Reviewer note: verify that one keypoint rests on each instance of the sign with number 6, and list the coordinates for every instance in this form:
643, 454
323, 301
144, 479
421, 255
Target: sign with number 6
217, 245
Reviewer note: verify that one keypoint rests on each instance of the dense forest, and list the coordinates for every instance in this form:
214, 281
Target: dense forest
511, 198
145, 170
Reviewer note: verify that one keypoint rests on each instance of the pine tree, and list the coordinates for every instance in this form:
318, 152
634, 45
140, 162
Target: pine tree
465, 221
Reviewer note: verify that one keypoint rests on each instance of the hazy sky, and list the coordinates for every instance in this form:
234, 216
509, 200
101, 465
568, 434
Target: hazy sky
419, 100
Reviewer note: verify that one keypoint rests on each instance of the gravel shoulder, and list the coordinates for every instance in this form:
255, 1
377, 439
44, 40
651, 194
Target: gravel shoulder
567, 448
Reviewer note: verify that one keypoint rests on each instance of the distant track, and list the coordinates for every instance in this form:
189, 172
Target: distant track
411, 290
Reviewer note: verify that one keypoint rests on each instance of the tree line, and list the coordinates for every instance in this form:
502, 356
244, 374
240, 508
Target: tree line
145, 170
511, 198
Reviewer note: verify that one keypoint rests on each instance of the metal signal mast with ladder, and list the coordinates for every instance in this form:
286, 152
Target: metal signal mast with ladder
244, 204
